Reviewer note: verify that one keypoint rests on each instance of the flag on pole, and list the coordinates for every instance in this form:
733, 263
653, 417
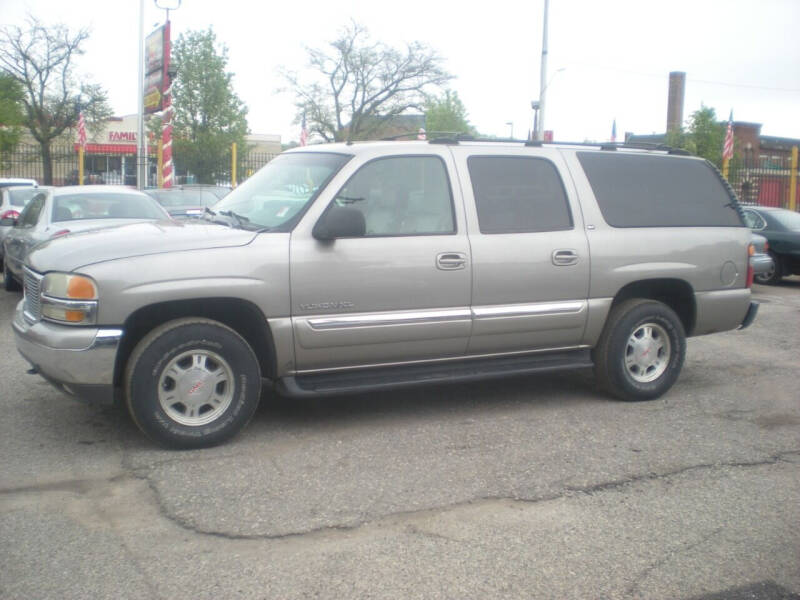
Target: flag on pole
614, 131
303, 131
81, 130
727, 148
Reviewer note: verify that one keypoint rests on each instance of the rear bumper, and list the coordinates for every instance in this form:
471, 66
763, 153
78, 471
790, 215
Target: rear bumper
750, 316
77, 360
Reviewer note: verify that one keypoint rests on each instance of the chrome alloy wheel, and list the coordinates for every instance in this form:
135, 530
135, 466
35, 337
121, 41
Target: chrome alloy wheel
767, 275
196, 387
647, 353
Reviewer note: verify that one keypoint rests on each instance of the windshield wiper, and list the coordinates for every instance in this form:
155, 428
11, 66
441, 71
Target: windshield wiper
240, 220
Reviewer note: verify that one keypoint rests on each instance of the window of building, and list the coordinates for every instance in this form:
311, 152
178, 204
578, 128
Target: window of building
403, 195
658, 191
518, 195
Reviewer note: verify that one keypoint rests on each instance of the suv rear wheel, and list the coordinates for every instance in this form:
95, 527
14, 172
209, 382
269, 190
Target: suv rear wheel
641, 351
192, 383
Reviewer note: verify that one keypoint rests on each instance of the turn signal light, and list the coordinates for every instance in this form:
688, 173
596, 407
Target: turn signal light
80, 288
751, 250
60, 232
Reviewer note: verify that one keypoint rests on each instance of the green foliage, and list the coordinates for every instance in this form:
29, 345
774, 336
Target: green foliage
357, 85
209, 116
447, 114
11, 112
41, 59
703, 136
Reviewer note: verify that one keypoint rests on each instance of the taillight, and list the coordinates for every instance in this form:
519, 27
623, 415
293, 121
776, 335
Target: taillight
766, 247
60, 232
749, 281
10, 214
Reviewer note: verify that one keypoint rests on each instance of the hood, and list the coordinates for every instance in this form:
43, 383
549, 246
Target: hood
77, 250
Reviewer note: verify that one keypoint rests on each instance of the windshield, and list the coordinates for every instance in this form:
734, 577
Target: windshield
21, 197
787, 218
71, 207
281, 191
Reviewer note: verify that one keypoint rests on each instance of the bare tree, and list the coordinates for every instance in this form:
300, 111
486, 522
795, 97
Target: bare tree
358, 84
41, 59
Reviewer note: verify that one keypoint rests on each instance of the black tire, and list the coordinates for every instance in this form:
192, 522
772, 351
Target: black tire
9, 283
771, 277
621, 355
222, 370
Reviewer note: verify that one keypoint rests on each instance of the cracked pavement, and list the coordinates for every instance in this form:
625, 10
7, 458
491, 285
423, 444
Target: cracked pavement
532, 487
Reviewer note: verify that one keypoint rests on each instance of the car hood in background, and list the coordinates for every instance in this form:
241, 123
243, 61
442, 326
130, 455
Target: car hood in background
78, 250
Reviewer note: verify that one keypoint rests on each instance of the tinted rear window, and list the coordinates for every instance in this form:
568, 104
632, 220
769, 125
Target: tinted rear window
518, 195
658, 191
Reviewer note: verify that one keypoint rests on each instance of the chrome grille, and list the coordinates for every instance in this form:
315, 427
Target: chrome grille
33, 301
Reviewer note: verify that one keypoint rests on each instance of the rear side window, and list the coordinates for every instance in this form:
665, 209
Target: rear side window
658, 191
516, 194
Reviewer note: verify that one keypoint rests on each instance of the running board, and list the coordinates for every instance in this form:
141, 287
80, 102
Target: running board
386, 378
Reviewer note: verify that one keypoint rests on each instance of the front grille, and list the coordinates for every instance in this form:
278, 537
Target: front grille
33, 301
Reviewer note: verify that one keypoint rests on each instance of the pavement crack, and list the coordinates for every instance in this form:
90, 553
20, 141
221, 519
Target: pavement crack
669, 555
402, 517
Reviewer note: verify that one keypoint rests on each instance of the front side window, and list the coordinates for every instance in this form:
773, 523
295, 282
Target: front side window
402, 195
518, 195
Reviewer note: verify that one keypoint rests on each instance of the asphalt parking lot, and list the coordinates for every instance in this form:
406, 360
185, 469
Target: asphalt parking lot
535, 487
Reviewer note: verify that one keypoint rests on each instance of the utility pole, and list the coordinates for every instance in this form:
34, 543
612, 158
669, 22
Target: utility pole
543, 76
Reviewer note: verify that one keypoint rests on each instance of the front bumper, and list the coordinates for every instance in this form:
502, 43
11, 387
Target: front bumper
761, 263
77, 360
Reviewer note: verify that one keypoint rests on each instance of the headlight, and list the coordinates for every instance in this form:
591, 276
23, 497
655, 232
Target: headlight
69, 298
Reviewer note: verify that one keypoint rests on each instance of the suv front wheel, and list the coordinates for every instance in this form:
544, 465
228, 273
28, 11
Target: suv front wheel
641, 351
192, 383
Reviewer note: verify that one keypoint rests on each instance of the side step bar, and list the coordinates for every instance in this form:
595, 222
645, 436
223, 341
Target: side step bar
386, 378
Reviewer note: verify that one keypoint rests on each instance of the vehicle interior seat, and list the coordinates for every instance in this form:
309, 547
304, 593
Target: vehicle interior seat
62, 213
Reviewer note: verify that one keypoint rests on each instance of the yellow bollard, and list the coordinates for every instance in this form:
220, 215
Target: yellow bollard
793, 181
80, 165
233, 164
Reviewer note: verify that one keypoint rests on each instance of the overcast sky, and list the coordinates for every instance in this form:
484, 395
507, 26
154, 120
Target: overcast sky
608, 59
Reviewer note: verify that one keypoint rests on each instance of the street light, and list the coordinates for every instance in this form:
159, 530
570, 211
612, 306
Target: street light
536, 105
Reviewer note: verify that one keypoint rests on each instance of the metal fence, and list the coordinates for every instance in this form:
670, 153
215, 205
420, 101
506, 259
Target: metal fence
766, 182
116, 168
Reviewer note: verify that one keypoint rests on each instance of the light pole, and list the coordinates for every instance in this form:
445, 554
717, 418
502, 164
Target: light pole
511, 125
141, 145
537, 105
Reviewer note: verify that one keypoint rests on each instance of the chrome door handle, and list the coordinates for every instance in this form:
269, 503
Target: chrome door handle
563, 258
451, 261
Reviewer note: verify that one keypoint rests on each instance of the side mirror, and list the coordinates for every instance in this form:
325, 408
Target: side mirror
340, 222
8, 222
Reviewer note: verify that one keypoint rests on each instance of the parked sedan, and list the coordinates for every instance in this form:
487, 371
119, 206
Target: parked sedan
781, 227
59, 211
12, 200
188, 200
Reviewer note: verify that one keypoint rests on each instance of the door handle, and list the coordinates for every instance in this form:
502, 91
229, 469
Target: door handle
451, 261
565, 257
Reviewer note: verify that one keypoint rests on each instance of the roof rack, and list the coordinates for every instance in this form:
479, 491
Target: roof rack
454, 137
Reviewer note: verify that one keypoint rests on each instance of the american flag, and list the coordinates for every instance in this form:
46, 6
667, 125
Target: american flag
303, 131
81, 130
727, 148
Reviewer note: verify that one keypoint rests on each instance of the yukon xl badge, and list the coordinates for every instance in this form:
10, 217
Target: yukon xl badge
327, 305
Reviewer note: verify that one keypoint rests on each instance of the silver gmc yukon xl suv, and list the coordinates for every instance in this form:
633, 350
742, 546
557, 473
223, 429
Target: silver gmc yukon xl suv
352, 268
